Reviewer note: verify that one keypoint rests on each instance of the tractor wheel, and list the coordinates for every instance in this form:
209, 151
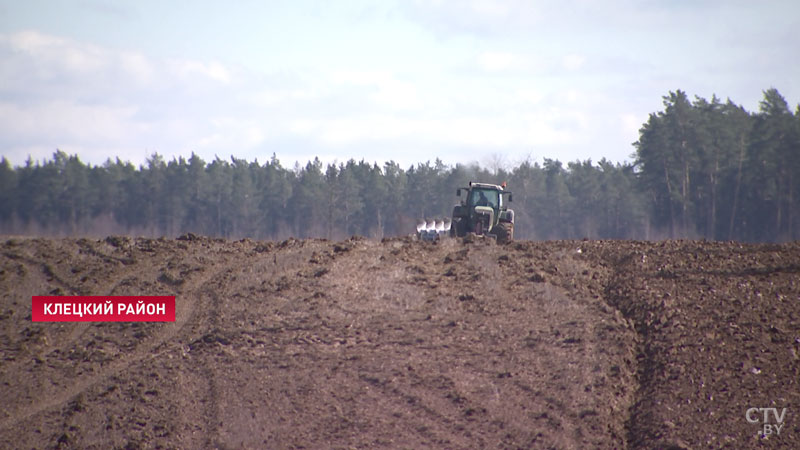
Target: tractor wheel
504, 232
457, 227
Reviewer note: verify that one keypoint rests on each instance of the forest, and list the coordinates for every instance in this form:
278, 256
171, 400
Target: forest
701, 169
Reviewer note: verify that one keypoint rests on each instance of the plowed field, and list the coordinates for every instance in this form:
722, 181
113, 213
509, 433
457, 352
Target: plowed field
404, 344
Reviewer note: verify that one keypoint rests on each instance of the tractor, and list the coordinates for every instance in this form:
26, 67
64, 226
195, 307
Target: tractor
484, 212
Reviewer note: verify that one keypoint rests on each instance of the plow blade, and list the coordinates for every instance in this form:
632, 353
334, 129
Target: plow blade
433, 230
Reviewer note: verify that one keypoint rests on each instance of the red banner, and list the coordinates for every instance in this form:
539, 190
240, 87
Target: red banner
103, 308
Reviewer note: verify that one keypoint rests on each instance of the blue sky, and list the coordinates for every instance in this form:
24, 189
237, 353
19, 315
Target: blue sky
465, 81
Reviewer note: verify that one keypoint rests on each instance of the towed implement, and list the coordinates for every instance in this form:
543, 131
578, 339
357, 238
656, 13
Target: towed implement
432, 230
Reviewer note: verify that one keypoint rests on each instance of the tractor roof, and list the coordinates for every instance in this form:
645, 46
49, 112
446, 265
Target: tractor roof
473, 184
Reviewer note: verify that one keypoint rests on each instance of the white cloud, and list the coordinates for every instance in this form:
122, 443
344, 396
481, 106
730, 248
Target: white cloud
447, 78
483, 17
137, 105
270, 97
510, 131
501, 61
385, 90
491, 8
629, 125
232, 132
62, 93
55, 53
66, 121
398, 95
573, 62
138, 66
187, 69
529, 96
411, 80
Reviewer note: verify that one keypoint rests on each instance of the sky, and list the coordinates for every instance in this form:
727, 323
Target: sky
487, 81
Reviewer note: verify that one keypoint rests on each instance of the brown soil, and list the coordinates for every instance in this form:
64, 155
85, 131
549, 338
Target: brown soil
403, 344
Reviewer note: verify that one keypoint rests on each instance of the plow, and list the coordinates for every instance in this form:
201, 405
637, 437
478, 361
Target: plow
483, 211
432, 230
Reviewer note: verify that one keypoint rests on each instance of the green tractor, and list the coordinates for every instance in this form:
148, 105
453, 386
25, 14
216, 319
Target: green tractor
484, 212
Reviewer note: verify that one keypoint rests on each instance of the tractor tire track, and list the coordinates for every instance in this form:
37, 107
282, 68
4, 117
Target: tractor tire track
185, 310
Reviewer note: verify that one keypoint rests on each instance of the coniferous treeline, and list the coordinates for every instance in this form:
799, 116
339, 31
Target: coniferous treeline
712, 169
702, 169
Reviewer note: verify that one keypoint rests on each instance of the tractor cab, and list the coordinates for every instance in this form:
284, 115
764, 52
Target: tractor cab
483, 212
484, 197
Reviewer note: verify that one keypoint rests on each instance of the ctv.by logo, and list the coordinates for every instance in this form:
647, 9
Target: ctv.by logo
770, 427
